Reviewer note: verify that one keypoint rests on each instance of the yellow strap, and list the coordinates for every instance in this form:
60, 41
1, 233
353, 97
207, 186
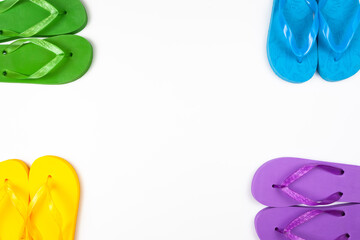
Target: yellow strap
44, 192
30, 230
7, 189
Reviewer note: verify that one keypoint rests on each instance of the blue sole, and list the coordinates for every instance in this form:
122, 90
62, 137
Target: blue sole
282, 60
338, 14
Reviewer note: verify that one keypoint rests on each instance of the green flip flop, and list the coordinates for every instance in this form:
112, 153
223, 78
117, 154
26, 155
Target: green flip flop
40, 18
56, 60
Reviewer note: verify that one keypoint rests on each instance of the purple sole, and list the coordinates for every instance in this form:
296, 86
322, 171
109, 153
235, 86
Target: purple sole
322, 227
317, 184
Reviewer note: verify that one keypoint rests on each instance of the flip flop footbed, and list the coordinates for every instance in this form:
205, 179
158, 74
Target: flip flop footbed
71, 19
30, 57
12, 211
322, 227
282, 60
64, 195
338, 15
316, 184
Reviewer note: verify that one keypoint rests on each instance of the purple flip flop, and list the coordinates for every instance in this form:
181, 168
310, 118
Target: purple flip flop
340, 222
286, 182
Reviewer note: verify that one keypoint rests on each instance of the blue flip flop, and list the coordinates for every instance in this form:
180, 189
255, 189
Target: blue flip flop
294, 23
339, 39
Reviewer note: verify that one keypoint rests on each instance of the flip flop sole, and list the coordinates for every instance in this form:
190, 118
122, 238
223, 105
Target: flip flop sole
11, 222
322, 227
282, 60
316, 185
337, 14
65, 193
27, 14
29, 58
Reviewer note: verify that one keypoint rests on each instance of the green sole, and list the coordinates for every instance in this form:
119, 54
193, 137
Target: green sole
26, 14
30, 58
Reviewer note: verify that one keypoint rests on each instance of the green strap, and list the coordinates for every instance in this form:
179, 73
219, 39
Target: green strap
42, 71
7, 4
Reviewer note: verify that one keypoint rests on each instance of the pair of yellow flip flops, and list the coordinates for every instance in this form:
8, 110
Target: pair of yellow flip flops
40, 203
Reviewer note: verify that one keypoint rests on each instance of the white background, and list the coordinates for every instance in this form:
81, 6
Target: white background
176, 114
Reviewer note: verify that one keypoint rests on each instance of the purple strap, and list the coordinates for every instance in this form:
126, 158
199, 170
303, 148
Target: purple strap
307, 217
299, 174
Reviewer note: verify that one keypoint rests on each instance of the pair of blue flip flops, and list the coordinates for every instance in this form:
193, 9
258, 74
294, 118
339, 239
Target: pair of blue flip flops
310, 35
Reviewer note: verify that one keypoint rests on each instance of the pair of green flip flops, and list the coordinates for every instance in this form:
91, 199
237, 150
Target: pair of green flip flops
57, 59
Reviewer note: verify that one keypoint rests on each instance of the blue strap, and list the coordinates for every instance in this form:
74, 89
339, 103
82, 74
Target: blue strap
300, 53
347, 36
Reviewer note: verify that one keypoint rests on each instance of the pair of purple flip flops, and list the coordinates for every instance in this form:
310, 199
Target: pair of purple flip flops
297, 190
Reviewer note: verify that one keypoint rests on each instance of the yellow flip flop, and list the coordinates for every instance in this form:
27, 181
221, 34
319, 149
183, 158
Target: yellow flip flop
14, 199
54, 199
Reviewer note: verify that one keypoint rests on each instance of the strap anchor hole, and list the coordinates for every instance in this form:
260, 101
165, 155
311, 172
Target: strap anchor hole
71, 54
341, 194
1, 32
343, 214
4, 52
337, 57
4, 73
277, 229
342, 172
347, 235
